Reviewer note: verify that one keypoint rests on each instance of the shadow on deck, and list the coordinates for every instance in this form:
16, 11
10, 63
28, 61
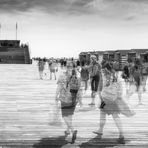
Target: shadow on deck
59, 142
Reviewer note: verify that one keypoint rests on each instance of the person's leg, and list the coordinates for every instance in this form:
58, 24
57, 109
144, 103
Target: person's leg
131, 88
68, 124
102, 121
139, 94
40, 75
68, 121
102, 124
86, 84
96, 83
138, 89
74, 132
144, 80
118, 124
92, 84
92, 93
50, 75
127, 86
117, 73
79, 102
55, 75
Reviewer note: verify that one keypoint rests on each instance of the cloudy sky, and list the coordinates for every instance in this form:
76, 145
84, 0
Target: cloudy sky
64, 28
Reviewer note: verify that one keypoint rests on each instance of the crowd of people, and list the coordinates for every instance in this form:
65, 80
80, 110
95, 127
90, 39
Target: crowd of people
104, 82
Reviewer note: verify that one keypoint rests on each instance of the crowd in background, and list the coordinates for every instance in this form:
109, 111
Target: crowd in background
134, 72
102, 77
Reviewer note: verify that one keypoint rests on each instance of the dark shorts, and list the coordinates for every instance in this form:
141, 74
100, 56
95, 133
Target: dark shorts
67, 110
52, 70
137, 80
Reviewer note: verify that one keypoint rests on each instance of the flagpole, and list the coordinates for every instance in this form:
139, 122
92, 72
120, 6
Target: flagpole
16, 31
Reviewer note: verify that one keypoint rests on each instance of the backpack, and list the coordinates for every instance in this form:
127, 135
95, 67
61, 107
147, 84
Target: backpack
112, 92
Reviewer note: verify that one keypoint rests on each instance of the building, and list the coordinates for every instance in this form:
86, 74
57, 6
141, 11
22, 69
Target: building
85, 56
11, 52
122, 56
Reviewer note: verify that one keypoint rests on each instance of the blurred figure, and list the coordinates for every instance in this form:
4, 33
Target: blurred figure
53, 68
144, 74
41, 65
131, 71
116, 68
138, 82
95, 74
84, 75
68, 94
126, 75
112, 104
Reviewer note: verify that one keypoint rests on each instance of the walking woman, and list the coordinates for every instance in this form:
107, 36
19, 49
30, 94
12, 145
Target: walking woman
144, 74
68, 93
126, 76
95, 72
137, 75
84, 75
53, 68
112, 104
41, 65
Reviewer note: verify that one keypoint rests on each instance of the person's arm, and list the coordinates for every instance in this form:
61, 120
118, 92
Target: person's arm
119, 90
79, 69
58, 89
100, 87
100, 82
89, 67
56, 67
79, 94
147, 70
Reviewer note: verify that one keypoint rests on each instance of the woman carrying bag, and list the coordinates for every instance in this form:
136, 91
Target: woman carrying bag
68, 99
112, 104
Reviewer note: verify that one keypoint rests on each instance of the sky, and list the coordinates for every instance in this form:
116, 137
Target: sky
64, 28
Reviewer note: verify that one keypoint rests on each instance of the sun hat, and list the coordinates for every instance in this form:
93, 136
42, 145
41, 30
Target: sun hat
93, 57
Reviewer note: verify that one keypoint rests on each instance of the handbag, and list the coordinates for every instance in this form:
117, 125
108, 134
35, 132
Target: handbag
55, 115
110, 93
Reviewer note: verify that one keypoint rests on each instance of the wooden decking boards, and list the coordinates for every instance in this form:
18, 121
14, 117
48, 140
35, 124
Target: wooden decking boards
26, 106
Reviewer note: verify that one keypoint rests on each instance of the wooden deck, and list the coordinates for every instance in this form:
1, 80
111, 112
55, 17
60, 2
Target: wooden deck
26, 106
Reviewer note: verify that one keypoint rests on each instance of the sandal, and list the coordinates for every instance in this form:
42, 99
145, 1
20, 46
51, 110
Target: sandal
99, 135
121, 140
74, 136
